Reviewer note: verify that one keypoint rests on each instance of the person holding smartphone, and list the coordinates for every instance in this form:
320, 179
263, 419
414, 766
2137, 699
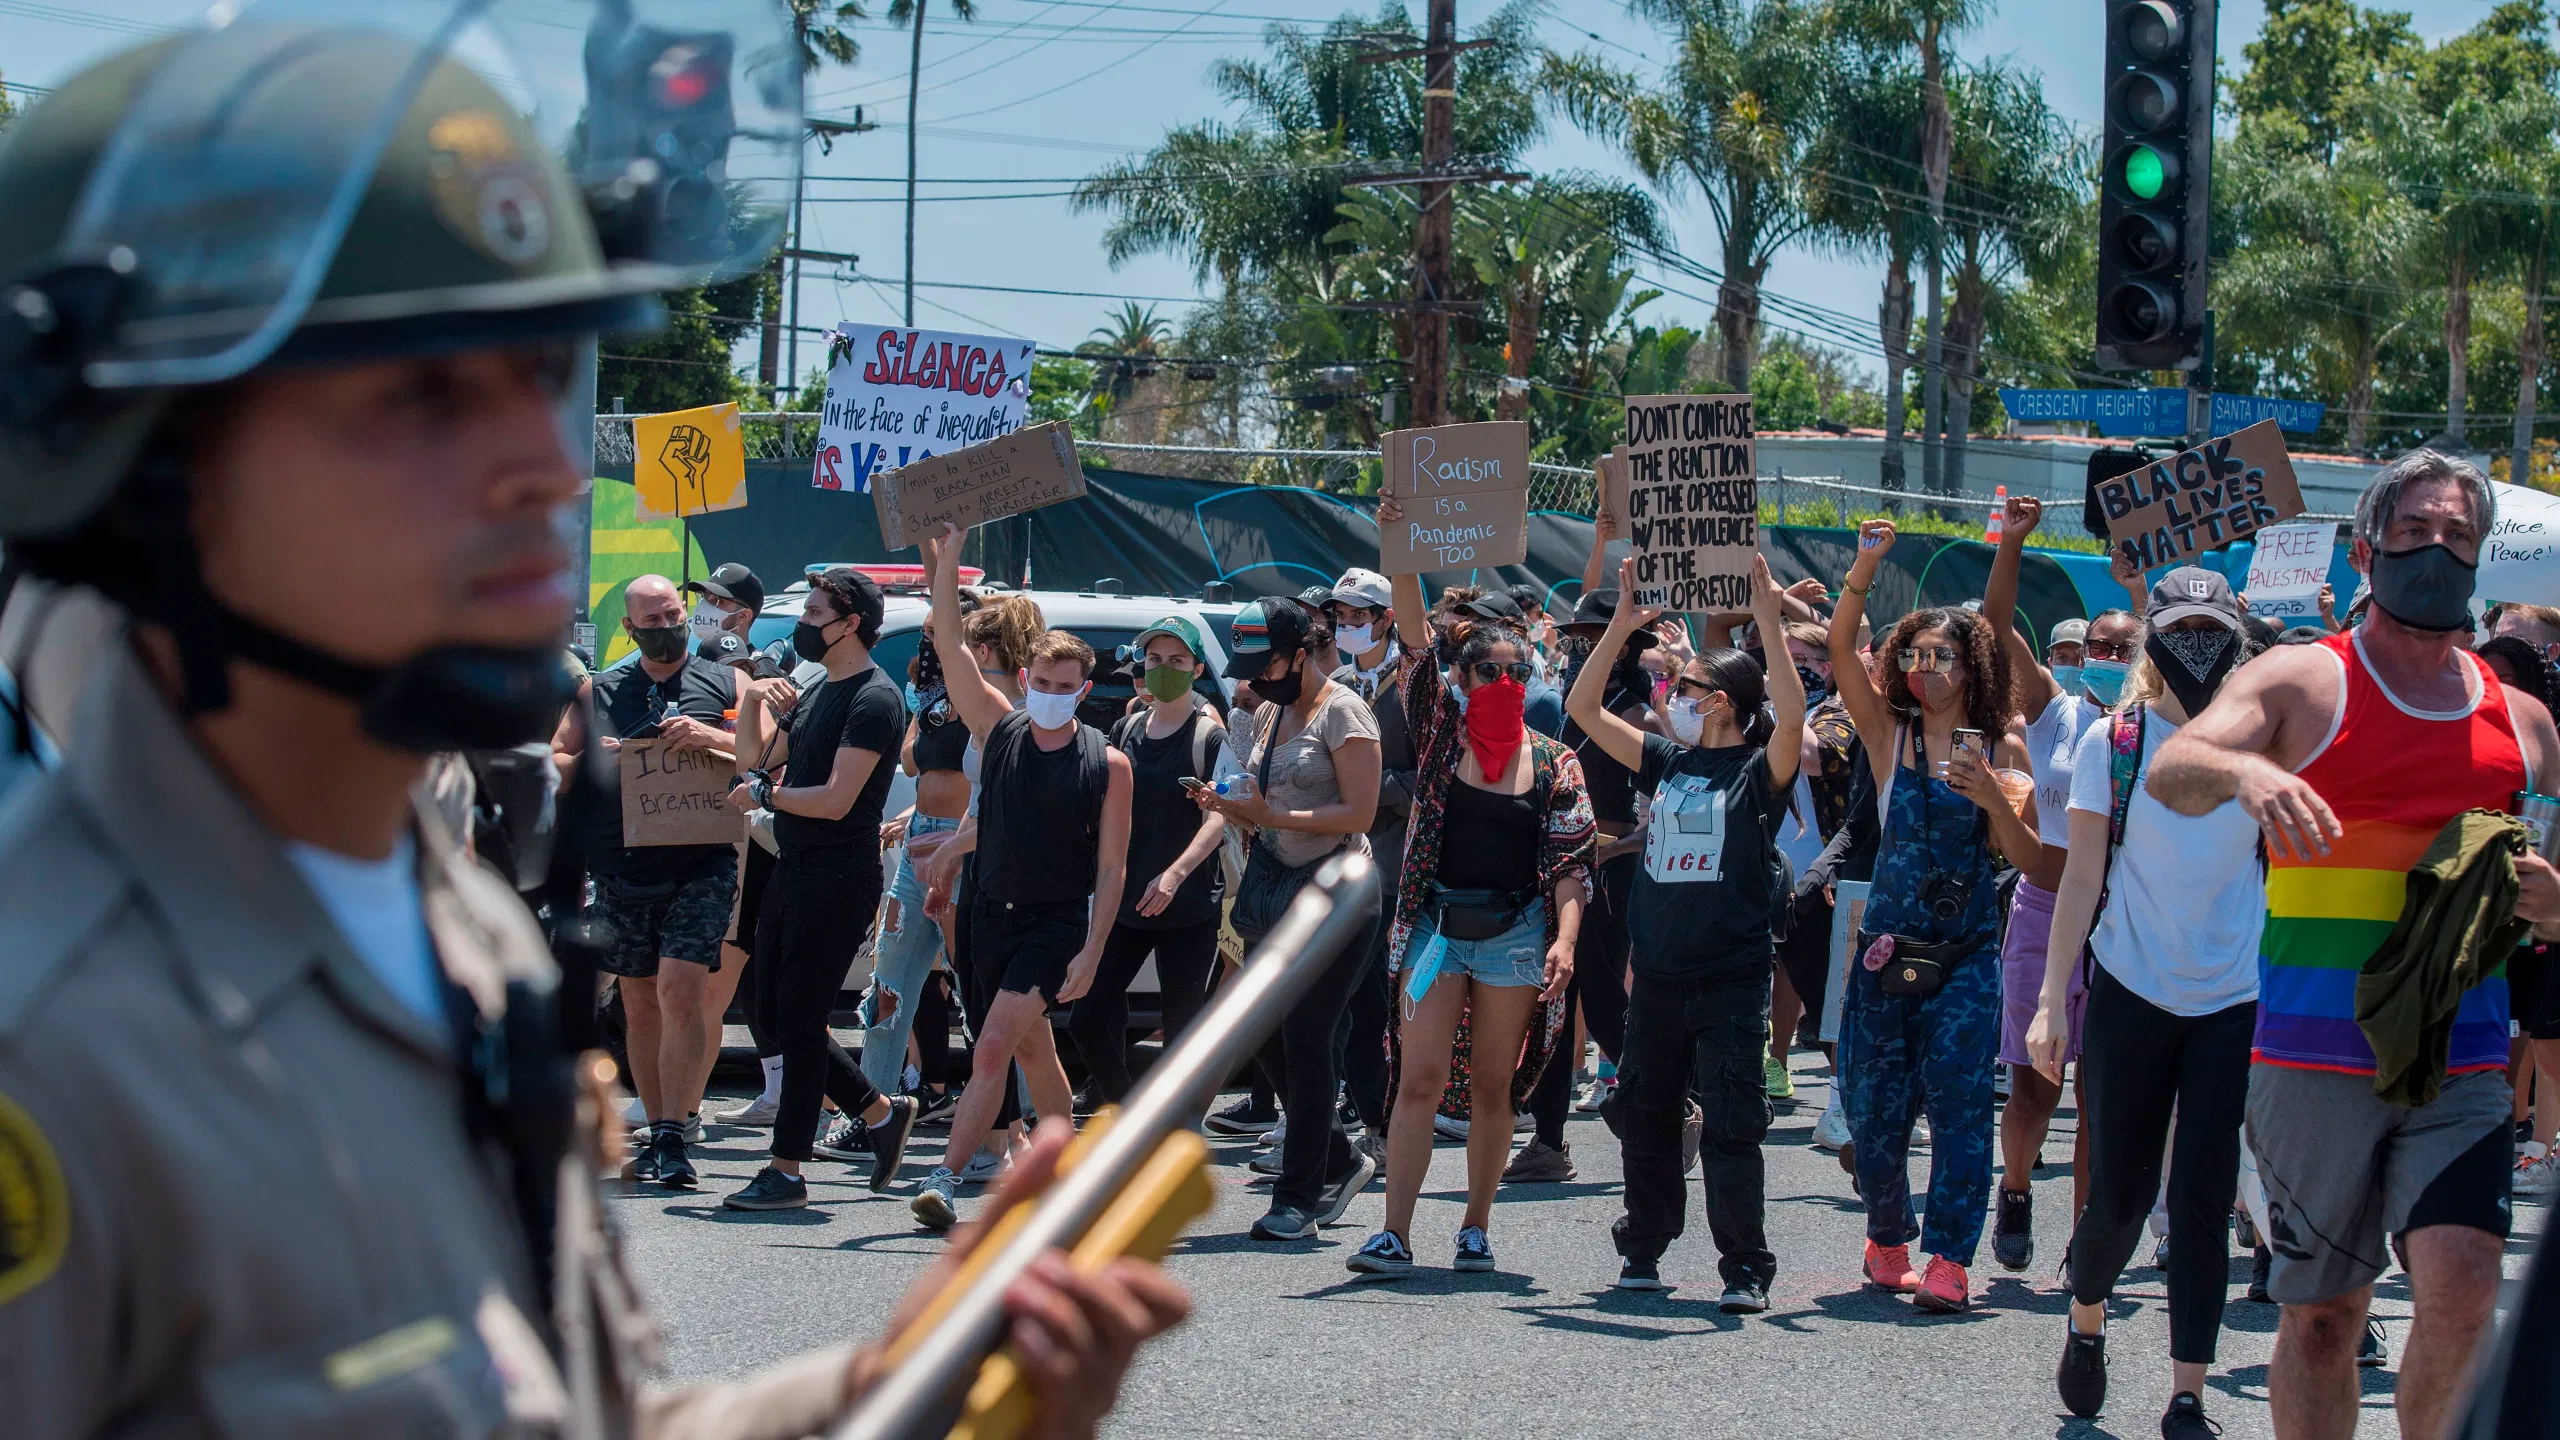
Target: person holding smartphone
1921, 1020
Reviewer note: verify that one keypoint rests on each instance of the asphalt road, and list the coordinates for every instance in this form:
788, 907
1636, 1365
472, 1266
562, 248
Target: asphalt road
1283, 1344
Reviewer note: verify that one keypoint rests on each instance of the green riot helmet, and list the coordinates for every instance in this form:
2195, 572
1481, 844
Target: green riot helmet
313, 184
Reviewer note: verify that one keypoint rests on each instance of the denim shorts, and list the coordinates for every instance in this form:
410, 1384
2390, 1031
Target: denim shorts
1517, 956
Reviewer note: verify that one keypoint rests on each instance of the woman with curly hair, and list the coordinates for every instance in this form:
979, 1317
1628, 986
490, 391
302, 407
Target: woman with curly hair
1497, 869
1921, 1020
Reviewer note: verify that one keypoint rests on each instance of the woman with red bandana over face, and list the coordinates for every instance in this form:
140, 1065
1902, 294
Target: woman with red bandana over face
1497, 867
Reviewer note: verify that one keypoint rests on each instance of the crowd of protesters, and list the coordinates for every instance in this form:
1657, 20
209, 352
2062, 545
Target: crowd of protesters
2151, 861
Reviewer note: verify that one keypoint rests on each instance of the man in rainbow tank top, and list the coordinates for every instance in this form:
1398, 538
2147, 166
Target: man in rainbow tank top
2351, 754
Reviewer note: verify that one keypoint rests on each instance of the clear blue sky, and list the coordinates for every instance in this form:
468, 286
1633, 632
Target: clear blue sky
1047, 90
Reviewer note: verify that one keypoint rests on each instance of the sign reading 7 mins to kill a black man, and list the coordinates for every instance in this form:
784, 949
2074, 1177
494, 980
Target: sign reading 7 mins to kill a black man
2218, 492
1465, 492
1693, 504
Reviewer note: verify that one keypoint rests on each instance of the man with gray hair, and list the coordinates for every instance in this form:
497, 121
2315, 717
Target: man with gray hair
2351, 754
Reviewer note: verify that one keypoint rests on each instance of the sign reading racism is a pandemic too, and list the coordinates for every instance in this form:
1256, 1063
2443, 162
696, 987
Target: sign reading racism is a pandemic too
1008, 475
2196, 500
896, 396
1465, 493
677, 797
1693, 506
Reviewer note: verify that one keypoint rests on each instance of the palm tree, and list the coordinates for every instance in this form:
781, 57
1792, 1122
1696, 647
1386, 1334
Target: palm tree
1126, 351
1860, 170
1739, 102
913, 11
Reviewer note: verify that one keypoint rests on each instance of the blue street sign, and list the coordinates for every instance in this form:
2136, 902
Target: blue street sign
2239, 412
2114, 412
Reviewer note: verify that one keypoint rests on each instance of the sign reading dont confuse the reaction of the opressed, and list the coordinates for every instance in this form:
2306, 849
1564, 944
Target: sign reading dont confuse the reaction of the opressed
1465, 493
2218, 492
1692, 504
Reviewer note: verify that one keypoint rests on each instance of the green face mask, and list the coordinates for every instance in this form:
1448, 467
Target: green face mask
1166, 682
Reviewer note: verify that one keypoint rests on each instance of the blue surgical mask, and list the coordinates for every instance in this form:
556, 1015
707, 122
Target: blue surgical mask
2104, 680
915, 702
2066, 678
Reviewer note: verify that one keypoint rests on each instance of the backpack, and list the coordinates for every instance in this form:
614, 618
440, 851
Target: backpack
2125, 732
1132, 728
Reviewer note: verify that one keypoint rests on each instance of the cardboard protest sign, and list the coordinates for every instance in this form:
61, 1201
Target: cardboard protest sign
677, 797
896, 396
1613, 481
2288, 568
1465, 492
688, 462
2226, 489
1846, 918
1008, 475
1693, 504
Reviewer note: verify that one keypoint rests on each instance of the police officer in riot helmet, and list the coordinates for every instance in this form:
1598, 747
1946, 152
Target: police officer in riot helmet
286, 309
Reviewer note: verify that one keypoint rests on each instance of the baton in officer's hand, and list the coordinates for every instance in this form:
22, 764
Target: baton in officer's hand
1127, 1187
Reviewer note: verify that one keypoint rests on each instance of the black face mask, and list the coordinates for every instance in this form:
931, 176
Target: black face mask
810, 642
1815, 686
2428, 588
2193, 663
660, 644
1285, 690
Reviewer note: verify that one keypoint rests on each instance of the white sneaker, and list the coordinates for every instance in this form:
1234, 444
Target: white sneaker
936, 1204
2539, 1178
756, 1114
1831, 1132
982, 1167
1272, 1137
1594, 1093
634, 1113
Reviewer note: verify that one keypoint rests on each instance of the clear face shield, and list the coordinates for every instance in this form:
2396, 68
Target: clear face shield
224, 196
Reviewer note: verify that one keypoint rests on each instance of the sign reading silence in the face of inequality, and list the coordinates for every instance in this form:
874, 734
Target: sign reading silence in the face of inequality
1692, 502
2223, 490
896, 396
688, 462
1465, 493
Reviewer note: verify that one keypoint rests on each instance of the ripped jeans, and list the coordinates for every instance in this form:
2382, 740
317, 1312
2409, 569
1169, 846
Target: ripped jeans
902, 959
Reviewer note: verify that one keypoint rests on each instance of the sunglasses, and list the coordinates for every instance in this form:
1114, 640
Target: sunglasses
1934, 658
1699, 689
1488, 671
2108, 650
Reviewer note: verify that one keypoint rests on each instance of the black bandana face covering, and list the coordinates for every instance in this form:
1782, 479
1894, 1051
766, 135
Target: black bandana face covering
2193, 663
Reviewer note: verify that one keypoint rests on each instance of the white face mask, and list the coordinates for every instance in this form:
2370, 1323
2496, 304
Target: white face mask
1052, 712
1354, 639
706, 619
1686, 723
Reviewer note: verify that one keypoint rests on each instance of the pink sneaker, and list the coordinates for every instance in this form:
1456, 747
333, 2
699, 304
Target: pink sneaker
1945, 1289
1889, 1268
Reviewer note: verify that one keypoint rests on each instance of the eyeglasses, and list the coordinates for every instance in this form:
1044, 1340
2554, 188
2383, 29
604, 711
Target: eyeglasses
1935, 658
1488, 671
2109, 650
1699, 688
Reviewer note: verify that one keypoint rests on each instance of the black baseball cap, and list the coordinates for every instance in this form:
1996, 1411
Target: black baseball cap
1494, 605
864, 592
732, 581
1261, 630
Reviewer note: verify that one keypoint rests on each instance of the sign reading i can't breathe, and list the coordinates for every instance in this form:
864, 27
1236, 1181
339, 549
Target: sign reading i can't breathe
1465, 492
1693, 504
2201, 499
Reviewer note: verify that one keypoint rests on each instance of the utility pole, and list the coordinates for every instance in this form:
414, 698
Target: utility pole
1431, 235
796, 251
915, 78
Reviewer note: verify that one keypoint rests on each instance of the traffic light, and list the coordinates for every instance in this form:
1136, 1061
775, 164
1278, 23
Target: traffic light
659, 123
2152, 202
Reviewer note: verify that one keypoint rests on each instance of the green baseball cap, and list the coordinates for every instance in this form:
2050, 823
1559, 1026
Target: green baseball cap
1176, 626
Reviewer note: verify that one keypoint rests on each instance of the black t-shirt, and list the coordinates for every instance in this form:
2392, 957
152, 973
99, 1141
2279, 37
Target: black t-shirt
864, 711
1162, 820
939, 745
1040, 813
1702, 896
629, 703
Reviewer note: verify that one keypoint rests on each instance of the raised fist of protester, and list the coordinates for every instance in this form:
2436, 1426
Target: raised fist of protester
1875, 537
1073, 1331
1811, 590
2020, 519
2127, 572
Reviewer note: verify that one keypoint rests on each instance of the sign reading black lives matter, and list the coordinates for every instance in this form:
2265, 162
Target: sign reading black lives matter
1693, 504
1465, 492
2196, 500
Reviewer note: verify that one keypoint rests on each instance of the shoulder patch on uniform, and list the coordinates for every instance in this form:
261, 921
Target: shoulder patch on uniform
56, 885
35, 1206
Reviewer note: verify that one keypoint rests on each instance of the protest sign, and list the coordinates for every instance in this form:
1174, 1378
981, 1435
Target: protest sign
1008, 475
1847, 915
688, 462
2288, 568
2172, 510
896, 396
1693, 506
1465, 492
1613, 483
677, 797
2520, 563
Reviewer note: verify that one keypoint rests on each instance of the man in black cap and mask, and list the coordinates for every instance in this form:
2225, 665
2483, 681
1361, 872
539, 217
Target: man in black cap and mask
726, 603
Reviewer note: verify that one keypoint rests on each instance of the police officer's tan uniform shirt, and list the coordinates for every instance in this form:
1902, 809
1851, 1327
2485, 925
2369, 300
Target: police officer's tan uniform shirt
236, 1193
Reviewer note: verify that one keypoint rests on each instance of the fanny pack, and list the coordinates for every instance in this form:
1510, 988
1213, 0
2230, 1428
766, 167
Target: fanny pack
1917, 967
1475, 914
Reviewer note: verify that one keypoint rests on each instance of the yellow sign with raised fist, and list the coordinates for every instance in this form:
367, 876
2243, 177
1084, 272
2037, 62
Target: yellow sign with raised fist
688, 462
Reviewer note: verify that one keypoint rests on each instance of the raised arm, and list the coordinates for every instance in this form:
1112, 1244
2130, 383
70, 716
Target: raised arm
2032, 683
1616, 738
1849, 674
978, 704
1604, 528
1786, 687
1413, 620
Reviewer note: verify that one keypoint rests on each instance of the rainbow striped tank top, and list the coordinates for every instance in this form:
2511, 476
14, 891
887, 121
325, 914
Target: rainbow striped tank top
2393, 775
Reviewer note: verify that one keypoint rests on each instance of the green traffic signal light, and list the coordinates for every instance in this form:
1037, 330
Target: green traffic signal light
2146, 173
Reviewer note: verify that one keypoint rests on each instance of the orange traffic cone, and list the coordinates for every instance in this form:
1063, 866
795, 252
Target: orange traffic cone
1998, 524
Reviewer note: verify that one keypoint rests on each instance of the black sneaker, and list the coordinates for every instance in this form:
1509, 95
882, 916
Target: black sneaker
887, 1141
673, 1168
934, 1105
1285, 1222
1634, 1274
2081, 1379
2375, 1351
1383, 1256
642, 1167
1336, 1196
2260, 1266
1088, 1103
847, 1140
2013, 1240
2186, 1420
770, 1190
1745, 1296
1243, 1118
